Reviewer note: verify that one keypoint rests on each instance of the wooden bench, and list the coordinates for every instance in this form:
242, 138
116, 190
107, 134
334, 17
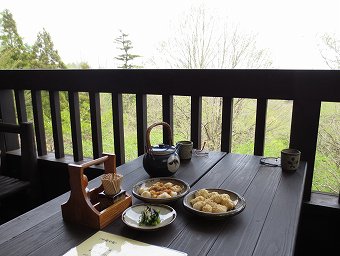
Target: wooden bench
12, 180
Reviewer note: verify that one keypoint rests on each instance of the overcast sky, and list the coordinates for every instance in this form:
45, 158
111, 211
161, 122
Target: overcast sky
84, 30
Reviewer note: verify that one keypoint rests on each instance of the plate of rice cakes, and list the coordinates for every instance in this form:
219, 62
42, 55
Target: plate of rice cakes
160, 190
214, 203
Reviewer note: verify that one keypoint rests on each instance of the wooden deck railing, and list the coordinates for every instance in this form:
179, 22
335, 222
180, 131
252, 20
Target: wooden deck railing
307, 89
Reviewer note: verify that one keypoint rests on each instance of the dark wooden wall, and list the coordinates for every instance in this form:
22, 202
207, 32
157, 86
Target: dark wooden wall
318, 231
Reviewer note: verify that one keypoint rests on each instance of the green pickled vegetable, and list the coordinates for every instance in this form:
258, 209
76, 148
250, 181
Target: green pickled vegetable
149, 217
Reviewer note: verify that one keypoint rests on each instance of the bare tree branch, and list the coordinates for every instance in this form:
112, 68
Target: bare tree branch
330, 51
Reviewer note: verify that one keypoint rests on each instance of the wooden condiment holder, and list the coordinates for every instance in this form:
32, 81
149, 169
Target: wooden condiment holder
83, 206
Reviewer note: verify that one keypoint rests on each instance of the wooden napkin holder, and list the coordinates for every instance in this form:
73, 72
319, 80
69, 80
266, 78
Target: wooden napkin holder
83, 206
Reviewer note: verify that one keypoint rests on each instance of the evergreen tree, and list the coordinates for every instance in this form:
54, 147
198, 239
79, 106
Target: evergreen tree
44, 54
9, 34
14, 53
6, 61
126, 57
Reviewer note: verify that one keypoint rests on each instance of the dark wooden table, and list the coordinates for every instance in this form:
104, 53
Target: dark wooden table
267, 226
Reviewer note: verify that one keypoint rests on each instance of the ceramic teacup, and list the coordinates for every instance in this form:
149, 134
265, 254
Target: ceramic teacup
185, 149
290, 159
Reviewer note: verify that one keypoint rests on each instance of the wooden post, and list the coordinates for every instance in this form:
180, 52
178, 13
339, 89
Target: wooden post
7, 115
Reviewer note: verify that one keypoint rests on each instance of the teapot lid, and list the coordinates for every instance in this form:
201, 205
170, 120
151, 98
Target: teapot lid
162, 150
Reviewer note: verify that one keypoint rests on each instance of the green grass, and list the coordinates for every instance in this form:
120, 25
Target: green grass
273, 147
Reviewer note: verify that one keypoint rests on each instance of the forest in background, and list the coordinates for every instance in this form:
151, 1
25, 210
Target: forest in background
206, 47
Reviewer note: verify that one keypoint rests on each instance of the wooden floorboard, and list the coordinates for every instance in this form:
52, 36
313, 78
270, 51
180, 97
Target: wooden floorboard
279, 233
62, 243
26, 221
241, 231
197, 239
37, 236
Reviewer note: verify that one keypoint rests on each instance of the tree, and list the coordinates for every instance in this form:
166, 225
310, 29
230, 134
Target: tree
327, 166
6, 60
330, 51
129, 100
44, 54
14, 53
9, 34
202, 40
126, 57
80, 65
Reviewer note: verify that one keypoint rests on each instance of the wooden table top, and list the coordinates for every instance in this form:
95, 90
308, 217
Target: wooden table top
267, 226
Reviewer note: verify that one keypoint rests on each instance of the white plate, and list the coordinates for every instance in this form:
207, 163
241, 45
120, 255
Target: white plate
149, 182
131, 216
238, 200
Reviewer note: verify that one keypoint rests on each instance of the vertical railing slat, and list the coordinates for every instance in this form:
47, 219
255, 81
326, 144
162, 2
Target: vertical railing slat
118, 127
96, 126
227, 124
20, 105
168, 115
56, 124
141, 111
304, 135
260, 126
28, 160
75, 126
39, 122
196, 120
7, 115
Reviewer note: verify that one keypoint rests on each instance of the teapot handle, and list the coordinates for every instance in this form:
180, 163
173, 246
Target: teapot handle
148, 131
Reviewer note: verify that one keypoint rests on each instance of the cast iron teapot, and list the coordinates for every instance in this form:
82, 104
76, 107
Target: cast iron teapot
161, 160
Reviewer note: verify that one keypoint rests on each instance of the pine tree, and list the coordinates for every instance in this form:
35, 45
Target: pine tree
9, 34
44, 54
6, 61
14, 53
126, 57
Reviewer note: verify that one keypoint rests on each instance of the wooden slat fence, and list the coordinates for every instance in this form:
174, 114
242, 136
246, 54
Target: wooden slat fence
307, 89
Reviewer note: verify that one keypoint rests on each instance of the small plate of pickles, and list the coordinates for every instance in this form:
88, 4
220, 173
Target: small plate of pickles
148, 216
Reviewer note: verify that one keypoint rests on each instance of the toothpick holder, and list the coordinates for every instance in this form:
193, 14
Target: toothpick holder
83, 206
